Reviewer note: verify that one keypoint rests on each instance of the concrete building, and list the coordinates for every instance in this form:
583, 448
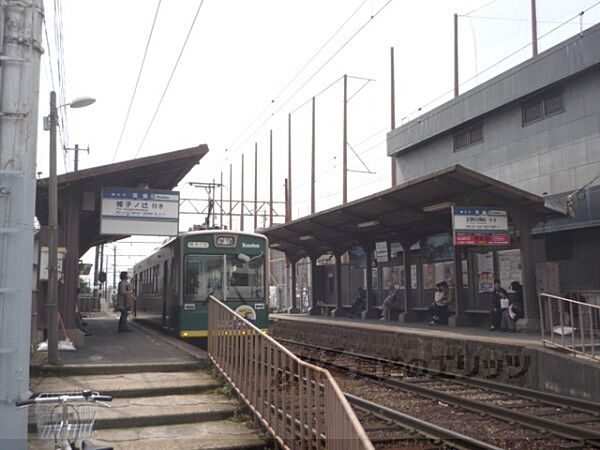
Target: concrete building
536, 127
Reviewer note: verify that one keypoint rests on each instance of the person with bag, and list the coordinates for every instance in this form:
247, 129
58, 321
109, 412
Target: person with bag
125, 300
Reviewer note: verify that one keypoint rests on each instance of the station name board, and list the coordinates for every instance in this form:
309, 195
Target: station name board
474, 225
127, 211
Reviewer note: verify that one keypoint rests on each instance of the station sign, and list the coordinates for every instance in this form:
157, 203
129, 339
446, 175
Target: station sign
126, 211
474, 225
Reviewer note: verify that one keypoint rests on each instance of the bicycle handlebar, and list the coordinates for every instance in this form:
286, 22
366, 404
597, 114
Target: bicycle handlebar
62, 397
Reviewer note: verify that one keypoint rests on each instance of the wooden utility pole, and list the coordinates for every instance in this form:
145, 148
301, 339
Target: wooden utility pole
270, 178
312, 162
242, 198
534, 38
393, 111
230, 196
255, 185
289, 199
456, 55
345, 144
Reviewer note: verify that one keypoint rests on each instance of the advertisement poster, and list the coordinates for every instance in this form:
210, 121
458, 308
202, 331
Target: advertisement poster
428, 280
381, 252
465, 272
438, 272
485, 272
413, 276
509, 266
479, 226
449, 275
393, 276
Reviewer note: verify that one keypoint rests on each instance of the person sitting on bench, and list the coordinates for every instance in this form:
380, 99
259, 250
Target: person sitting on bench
438, 311
392, 301
359, 303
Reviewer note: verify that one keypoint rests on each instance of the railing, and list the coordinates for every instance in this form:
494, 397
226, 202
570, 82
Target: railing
300, 404
571, 325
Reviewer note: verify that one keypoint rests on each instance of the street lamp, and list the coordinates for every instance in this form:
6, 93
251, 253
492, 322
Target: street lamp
52, 294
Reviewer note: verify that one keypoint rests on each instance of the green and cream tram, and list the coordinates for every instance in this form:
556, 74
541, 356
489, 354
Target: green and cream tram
172, 285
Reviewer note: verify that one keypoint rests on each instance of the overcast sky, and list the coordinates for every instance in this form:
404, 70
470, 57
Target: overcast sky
242, 54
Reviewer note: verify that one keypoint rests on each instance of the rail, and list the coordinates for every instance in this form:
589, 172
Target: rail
571, 325
300, 404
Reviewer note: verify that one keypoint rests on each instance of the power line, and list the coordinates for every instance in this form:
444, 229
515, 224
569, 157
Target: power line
137, 82
170, 77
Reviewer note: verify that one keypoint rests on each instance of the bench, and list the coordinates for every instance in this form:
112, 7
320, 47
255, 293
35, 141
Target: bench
326, 308
422, 312
479, 316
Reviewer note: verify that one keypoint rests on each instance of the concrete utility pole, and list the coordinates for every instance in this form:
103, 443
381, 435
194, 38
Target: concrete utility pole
289, 199
242, 198
20, 50
393, 111
345, 144
534, 38
270, 178
76, 149
255, 185
221, 213
456, 55
312, 161
230, 196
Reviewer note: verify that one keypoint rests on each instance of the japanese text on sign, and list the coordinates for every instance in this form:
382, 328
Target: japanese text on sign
480, 226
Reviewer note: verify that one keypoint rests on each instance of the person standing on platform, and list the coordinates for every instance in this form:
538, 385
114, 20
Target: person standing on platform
391, 301
124, 291
359, 304
438, 310
496, 306
514, 310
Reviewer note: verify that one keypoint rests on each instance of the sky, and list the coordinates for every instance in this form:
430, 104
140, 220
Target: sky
240, 76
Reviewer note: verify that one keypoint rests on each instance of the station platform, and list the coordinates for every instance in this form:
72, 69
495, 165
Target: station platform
513, 358
164, 394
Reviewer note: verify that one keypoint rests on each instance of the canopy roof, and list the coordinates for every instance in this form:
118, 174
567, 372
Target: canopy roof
163, 171
411, 210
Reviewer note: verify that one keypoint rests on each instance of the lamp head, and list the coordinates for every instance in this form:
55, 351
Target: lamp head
82, 102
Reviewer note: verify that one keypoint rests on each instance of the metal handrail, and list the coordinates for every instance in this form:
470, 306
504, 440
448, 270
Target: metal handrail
300, 404
576, 322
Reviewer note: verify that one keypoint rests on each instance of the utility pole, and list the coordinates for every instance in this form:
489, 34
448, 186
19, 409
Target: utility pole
345, 144
114, 266
230, 196
393, 111
534, 38
221, 213
270, 178
255, 186
456, 55
20, 46
312, 161
76, 149
289, 199
95, 287
242, 198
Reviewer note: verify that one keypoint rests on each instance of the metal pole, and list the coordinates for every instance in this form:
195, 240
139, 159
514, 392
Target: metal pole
393, 111
270, 178
106, 299
76, 165
230, 196
345, 144
286, 193
255, 186
96, 270
114, 266
289, 218
534, 38
221, 213
456, 55
312, 162
242, 198
51, 306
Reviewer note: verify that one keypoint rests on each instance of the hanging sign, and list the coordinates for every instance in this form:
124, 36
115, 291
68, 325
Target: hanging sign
128, 211
381, 252
479, 226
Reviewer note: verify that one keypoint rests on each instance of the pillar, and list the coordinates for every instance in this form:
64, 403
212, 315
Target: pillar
314, 310
294, 309
407, 315
459, 318
524, 223
339, 308
369, 312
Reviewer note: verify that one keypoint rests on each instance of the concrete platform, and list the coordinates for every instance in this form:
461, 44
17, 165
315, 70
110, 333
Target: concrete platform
518, 359
222, 435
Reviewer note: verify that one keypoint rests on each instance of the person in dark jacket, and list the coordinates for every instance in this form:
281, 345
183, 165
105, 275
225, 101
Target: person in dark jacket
515, 308
359, 304
123, 290
496, 306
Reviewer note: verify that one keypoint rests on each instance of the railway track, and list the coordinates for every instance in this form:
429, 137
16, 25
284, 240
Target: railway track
566, 422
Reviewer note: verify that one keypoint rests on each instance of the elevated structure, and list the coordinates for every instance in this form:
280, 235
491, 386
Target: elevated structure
79, 208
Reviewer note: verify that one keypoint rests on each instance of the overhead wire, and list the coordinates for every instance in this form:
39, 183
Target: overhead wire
137, 82
162, 97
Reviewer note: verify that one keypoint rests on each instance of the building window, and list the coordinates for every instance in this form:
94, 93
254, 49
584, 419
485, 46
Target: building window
542, 107
468, 137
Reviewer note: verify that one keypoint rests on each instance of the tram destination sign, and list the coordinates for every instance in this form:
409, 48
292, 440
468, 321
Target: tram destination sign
474, 225
127, 211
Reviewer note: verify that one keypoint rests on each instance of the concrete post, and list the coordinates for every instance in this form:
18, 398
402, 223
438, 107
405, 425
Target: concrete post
294, 309
314, 310
369, 312
407, 315
20, 46
459, 318
339, 298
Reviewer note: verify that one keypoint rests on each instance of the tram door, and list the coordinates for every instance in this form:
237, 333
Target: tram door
165, 292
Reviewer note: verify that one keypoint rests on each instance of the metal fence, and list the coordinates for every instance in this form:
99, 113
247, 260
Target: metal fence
300, 404
571, 325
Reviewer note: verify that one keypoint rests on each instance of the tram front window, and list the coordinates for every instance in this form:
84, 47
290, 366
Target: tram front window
203, 277
245, 277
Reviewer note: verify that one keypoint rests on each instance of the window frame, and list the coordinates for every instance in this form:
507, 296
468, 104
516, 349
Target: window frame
468, 131
541, 102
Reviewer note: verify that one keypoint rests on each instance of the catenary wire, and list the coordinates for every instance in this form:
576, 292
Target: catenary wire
170, 78
137, 82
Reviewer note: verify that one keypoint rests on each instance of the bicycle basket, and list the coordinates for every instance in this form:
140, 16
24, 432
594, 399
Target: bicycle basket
79, 423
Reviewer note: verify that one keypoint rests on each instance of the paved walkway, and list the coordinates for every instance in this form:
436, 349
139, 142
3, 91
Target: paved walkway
441, 331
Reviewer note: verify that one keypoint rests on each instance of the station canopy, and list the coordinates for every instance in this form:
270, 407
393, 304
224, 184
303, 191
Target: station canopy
163, 171
409, 211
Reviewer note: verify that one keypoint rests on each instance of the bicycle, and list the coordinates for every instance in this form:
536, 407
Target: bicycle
73, 420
